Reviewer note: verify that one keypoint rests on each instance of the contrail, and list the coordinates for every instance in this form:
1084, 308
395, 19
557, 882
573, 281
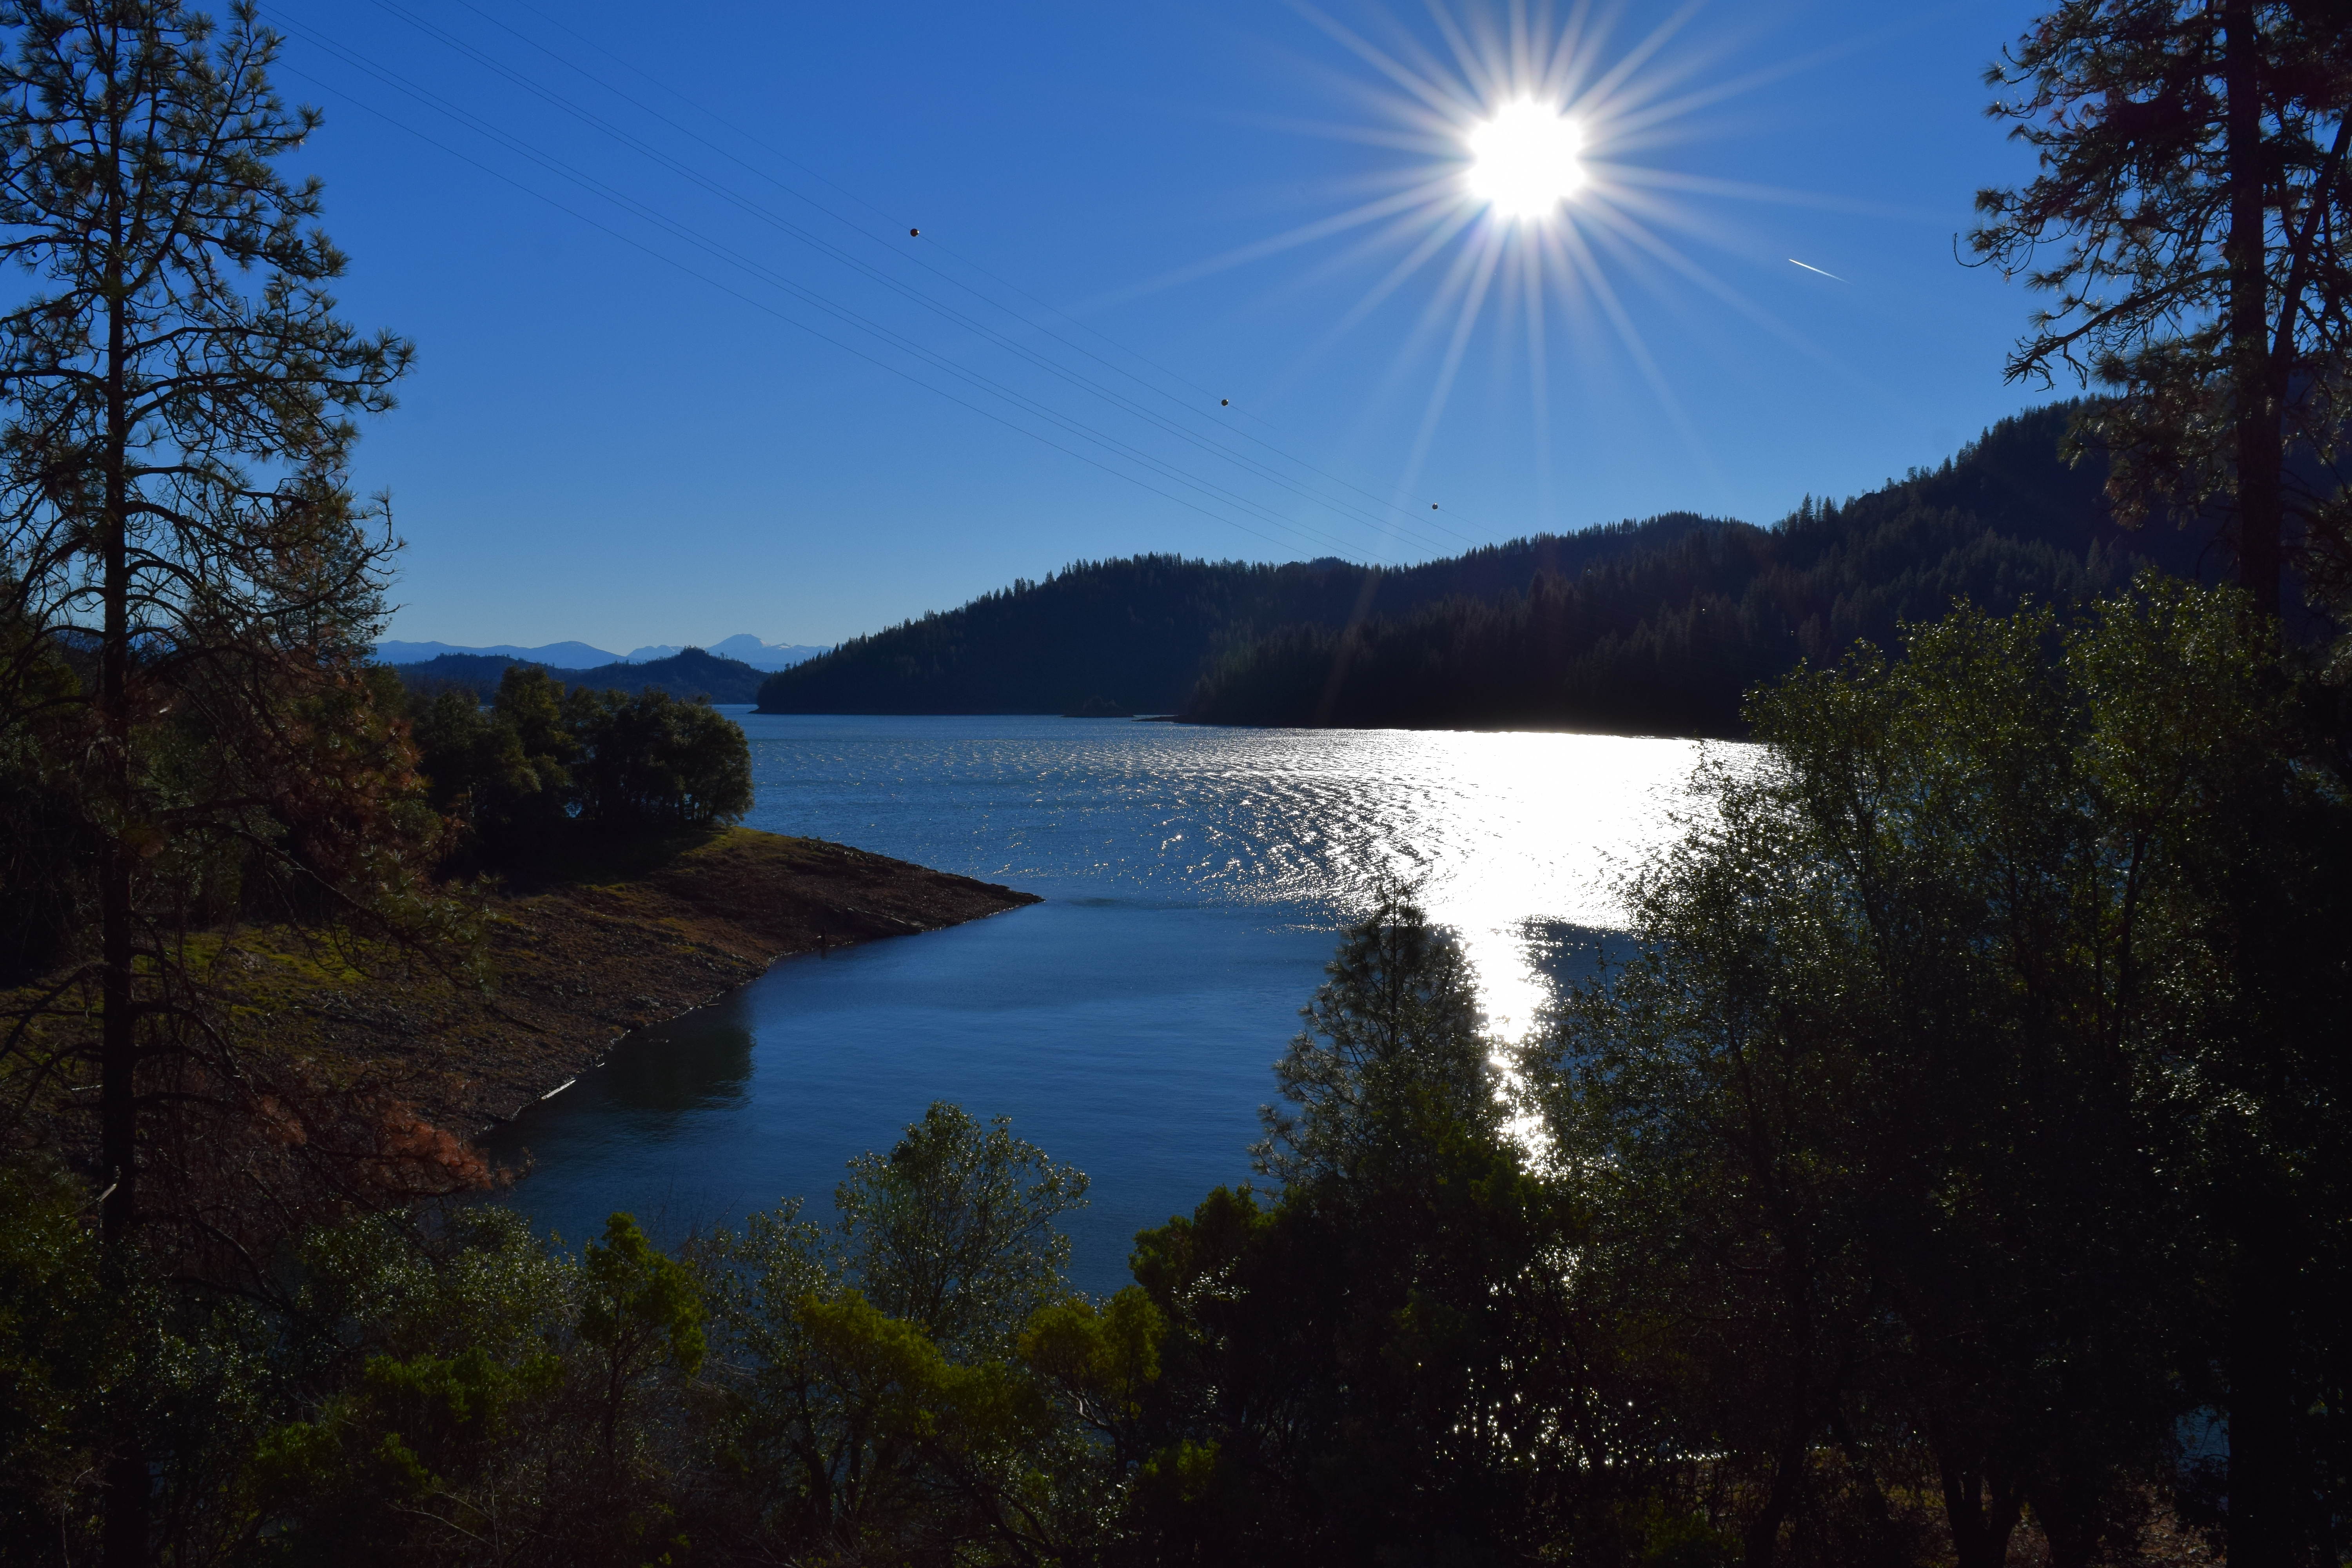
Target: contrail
1811, 267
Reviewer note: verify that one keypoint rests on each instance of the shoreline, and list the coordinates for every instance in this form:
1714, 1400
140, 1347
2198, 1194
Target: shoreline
579, 959
1465, 729
594, 962
581, 965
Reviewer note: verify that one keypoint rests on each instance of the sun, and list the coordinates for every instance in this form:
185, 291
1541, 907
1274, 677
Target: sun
1524, 159
1526, 130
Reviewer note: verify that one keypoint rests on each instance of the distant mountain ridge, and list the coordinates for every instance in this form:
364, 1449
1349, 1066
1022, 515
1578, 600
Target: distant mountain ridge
742, 647
572, 654
1656, 627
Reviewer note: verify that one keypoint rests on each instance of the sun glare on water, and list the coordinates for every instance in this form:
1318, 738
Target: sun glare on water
1525, 160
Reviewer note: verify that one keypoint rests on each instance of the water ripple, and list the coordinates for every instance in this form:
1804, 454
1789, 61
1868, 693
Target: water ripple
1505, 835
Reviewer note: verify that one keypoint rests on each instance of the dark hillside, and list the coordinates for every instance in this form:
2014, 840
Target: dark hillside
477, 671
1666, 641
1131, 633
1137, 634
1652, 626
685, 675
1666, 645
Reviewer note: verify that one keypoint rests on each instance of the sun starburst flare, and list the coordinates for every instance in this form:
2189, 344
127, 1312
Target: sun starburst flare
1527, 183
1524, 160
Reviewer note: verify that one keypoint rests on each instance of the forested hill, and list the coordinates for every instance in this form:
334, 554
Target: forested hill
1666, 641
685, 675
1139, 633
1647, 628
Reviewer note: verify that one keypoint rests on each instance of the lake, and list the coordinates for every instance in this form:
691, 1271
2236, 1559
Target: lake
1195, 881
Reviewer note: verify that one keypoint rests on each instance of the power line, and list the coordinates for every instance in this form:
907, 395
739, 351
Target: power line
767, 276
1388, 525
645, 148
764, 307
737, 131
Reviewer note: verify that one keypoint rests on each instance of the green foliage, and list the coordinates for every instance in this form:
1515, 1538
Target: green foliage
650, 760
640, 1312
1907, 1124
464, 1396
543, 763
504, 774
641, 1307
1387, 1367
1964, 1129
48, 1271
916, 1382
48, 897
1102, 1358
954, 1230
426, 1364
1388, 1363
100, 1358
864, 1438
1393, 1039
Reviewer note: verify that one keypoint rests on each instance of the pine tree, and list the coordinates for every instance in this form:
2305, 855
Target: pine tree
2188, 221
176, 397
177, 391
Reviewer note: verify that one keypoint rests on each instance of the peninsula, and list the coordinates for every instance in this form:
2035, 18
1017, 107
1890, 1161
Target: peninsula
579, 960
574, 957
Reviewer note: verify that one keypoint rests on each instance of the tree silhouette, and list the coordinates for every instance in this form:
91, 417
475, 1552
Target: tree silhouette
176, 392
2189, 221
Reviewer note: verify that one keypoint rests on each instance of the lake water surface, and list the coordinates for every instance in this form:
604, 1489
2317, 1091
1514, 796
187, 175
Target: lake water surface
1195, 880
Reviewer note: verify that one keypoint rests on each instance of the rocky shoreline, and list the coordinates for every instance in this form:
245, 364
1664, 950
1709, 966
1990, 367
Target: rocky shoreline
579, 962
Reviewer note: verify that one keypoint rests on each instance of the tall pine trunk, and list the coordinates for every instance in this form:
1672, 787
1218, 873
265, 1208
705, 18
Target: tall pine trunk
2262, 1476
177, 434
2260, 1467
125, 1537
118, 1047
2259, 458
1762, 1546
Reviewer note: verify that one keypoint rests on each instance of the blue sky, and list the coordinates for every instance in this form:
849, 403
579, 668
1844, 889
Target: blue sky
611, 232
